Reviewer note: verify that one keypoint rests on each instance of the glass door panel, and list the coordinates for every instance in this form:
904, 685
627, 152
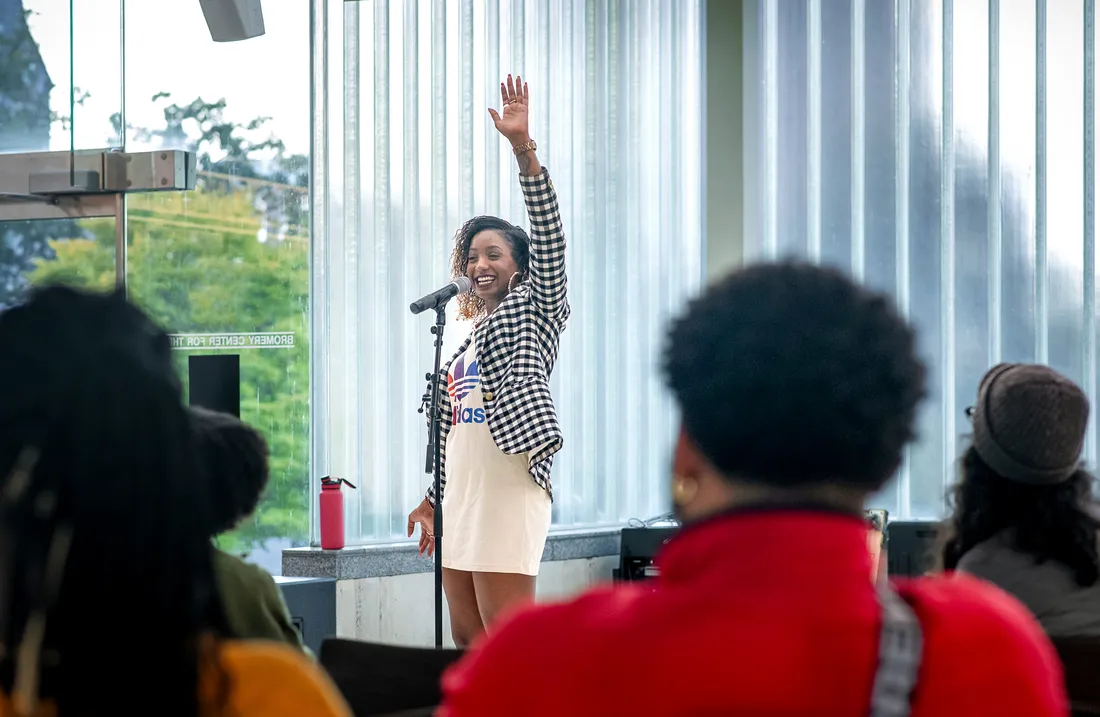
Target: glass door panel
70, 56
206, 267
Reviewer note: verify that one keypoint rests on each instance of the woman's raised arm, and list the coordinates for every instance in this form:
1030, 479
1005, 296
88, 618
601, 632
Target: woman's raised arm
547, 276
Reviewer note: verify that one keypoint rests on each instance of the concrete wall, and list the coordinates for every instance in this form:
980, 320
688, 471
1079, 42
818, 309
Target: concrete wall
399, 609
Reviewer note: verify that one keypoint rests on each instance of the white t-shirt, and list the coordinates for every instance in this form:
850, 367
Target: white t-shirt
495, 516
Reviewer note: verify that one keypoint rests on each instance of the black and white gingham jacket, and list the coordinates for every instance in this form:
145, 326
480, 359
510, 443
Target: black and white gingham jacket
518, 345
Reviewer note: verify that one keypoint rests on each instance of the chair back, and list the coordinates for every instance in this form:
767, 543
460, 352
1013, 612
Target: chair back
1081, 664
378, 679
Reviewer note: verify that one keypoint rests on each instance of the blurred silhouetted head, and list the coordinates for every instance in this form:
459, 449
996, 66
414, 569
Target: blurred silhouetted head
235, 458
791, 378
99, 484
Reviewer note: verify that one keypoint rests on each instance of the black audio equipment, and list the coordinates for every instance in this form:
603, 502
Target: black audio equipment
638, 547
911, 543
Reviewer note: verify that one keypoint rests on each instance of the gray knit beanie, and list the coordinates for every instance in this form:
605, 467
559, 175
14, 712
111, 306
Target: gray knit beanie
1029, 423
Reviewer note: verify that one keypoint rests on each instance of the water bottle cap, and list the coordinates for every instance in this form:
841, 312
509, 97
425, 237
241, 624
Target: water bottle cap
333, 483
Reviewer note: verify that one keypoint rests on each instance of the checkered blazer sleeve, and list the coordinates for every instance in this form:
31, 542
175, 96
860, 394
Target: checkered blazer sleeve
547, 266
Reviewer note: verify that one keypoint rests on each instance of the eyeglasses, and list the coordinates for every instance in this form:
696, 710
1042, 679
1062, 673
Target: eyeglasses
969, 411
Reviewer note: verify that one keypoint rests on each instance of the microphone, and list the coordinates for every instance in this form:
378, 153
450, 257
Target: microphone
439, 297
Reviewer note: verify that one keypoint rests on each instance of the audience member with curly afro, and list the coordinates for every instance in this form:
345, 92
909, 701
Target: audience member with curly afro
798, 392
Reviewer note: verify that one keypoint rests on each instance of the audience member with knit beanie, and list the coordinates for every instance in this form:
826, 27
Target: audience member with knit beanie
1024, 517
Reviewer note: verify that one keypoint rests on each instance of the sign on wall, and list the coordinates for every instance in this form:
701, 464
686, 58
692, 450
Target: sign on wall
257, 340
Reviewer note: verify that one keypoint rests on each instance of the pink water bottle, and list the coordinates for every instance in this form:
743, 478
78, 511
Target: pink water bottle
332, 512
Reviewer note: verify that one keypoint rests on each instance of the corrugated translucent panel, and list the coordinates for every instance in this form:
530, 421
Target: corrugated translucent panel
838, 132
410, 153
951, 163
928, 271
1018, 299
1088, 352
976, 216
1064, 198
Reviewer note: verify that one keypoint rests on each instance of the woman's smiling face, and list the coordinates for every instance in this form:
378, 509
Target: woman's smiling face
490, 266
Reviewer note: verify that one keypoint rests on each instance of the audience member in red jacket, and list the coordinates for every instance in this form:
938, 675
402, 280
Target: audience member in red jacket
798, 391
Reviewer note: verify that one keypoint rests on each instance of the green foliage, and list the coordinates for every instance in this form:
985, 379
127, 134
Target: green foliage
239, 152
194, 262
197, 266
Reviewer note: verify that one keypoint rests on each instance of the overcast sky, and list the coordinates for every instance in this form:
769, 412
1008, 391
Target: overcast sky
168, 48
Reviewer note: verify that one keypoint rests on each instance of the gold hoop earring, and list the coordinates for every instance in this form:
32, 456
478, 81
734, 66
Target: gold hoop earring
512, 279
684, 490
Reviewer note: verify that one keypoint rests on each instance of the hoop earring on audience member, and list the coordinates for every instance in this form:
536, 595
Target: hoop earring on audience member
512, 279
684, 490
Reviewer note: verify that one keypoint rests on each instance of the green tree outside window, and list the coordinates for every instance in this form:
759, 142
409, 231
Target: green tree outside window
196, 261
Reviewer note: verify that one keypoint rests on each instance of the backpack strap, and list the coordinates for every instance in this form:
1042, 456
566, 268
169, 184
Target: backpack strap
901, 647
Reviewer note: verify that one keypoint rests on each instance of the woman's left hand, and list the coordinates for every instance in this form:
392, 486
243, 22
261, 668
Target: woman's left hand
512, 122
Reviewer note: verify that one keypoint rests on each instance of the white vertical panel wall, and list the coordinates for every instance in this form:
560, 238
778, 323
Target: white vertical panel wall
404, 152
924, 146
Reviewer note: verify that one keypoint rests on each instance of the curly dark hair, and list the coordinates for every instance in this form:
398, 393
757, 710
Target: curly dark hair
791, 375
469, 305
1050, 522
90, 391
236, 459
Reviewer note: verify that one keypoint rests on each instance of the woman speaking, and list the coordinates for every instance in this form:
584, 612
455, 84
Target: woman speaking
499, 427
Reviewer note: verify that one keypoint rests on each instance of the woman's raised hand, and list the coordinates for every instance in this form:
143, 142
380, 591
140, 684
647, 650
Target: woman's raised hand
512, 121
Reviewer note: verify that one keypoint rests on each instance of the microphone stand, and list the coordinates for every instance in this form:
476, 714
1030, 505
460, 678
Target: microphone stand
432, 464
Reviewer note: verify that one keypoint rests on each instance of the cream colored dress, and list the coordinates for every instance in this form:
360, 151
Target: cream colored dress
495, 517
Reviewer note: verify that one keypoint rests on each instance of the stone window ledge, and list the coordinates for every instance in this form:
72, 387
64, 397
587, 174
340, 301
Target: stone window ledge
375, 561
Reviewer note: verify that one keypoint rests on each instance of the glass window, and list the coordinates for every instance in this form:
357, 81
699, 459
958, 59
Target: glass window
934, 170
82, 54
42, 102
226, 267
408, 153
